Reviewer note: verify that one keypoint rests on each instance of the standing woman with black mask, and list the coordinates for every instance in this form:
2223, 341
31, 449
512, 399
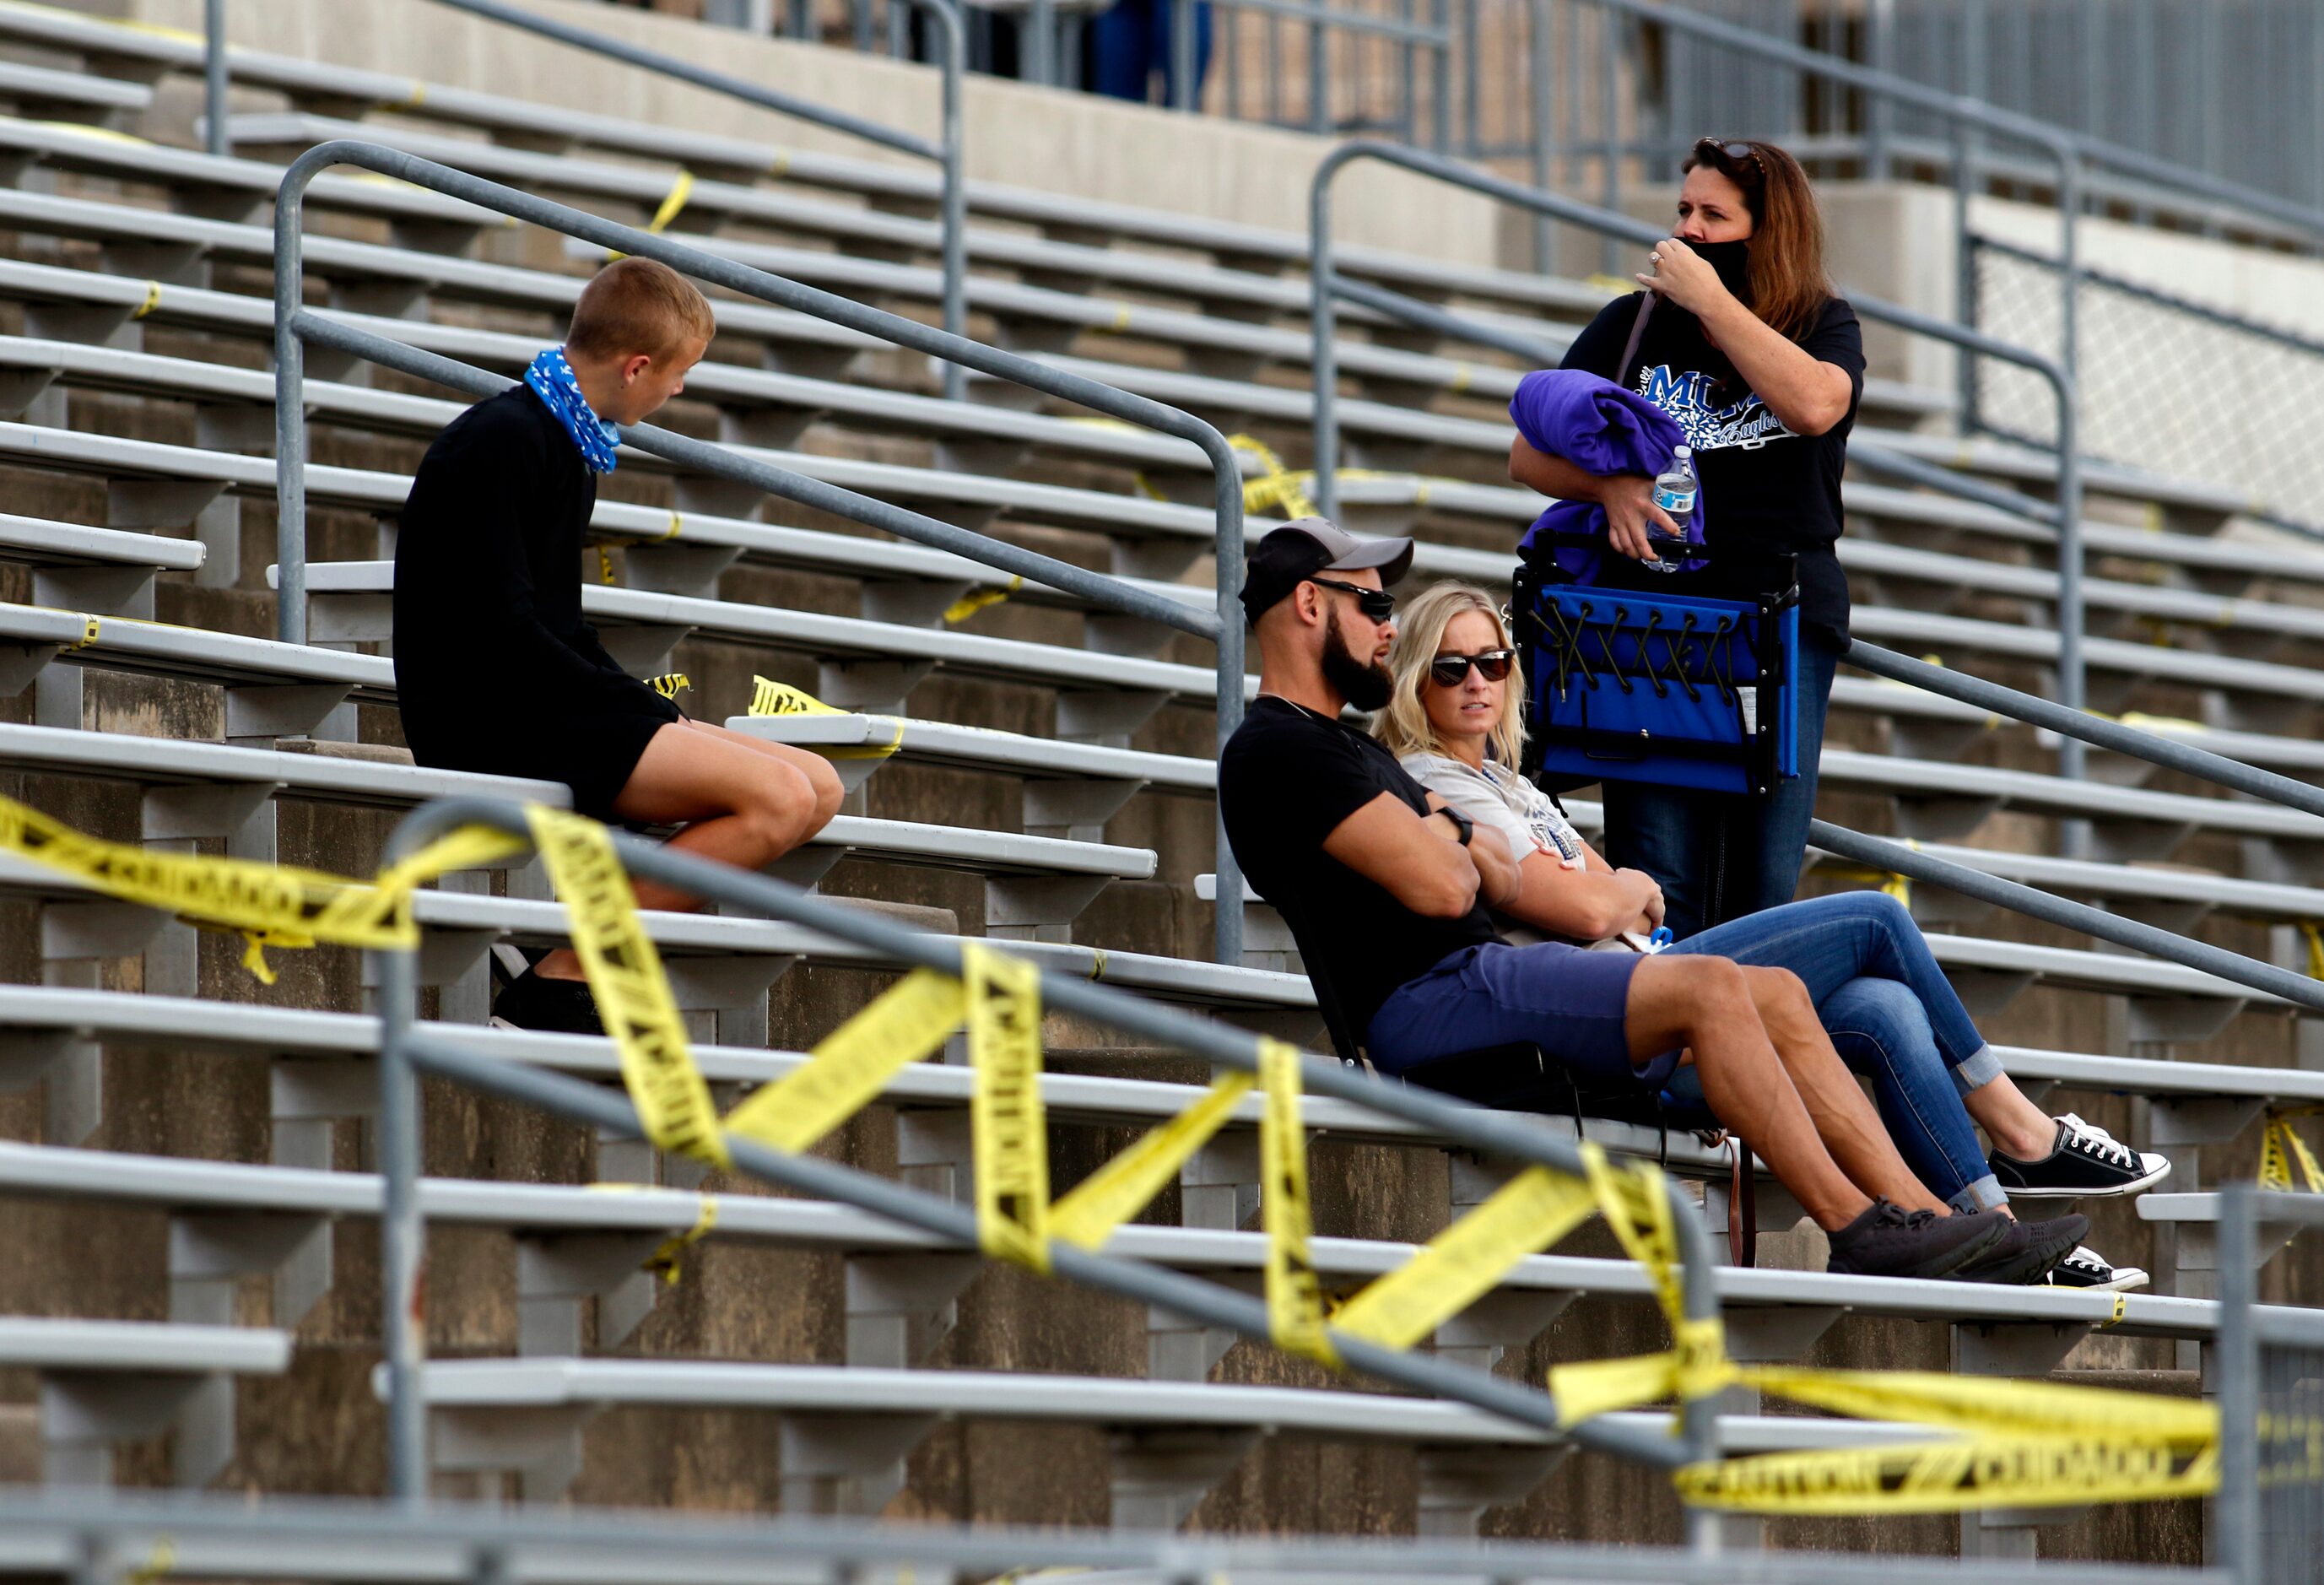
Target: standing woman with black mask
1746, 347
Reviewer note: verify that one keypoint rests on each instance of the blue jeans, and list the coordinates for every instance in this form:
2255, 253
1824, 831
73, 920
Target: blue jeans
1130, 41
1892, 1016
1721, 856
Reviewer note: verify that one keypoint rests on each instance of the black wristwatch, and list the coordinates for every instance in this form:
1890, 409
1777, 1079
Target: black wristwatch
1460, 823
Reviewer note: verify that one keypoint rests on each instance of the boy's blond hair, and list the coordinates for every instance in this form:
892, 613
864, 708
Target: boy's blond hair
638, 306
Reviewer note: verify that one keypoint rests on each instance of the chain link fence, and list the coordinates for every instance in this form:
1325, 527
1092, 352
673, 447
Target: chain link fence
2168, 384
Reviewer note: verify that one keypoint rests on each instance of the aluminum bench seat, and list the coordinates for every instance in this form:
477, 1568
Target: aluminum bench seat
867, 661
1372, 430
1943, 802
2238, 693
176, 248
105, 571
847, 1431
1771, 1313
104, 1382
225, 187
45, 91
2172, 898
273, 690
2191, 1221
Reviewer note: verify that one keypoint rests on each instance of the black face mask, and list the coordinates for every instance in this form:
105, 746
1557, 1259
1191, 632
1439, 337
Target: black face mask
1732, 260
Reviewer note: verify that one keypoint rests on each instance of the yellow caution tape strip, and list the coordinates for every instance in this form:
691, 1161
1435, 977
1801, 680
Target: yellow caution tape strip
848, 1070
665, 1261
1006, 1121
1295, 1295
673, 204
976, 600
2282, 1147
2017, 1443
625, 976
769, 697
670, 684
152, 300
1276, 488
1127, 1184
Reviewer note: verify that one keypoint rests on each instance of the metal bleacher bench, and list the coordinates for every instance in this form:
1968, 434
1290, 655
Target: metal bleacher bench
45, 91
105, 571
235, 189
104, 1382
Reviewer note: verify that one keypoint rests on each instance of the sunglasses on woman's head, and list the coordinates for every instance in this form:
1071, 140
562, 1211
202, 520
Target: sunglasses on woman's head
1450, 671
1377, 604
1739, 153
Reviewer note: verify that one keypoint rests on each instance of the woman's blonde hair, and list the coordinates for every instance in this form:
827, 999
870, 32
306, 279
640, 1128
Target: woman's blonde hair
1402, 725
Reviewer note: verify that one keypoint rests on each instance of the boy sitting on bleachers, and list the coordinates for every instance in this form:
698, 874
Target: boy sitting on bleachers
495, 667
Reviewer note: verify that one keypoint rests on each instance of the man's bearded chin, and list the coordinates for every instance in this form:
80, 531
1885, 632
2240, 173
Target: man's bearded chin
1366, 686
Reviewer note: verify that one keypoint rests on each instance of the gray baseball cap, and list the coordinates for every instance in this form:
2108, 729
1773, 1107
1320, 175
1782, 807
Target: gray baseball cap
1290, 555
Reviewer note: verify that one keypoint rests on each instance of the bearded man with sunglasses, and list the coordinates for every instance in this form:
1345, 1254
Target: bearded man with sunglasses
1386, 888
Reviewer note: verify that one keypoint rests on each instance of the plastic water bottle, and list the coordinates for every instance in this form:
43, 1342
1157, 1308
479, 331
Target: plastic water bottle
1675, 489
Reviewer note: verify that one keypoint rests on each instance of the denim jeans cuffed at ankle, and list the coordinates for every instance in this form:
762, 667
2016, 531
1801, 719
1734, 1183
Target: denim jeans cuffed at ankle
1894, 1018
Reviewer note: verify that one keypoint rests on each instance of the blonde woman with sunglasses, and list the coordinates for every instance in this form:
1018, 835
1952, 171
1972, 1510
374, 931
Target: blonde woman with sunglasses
1872, 992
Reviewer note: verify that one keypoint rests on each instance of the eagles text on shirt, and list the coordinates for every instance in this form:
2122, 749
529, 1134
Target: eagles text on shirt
1686, 396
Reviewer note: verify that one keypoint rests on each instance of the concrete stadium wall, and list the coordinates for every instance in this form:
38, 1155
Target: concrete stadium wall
1062, 142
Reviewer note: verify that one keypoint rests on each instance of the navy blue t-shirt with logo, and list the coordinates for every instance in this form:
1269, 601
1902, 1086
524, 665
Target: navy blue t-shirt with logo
1769, 490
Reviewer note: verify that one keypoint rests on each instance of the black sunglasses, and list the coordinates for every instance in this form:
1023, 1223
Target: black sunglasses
1739, 153
1450, 671
1377, 604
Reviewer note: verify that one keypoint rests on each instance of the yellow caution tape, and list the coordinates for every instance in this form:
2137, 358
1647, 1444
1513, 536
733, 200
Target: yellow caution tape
2315, 939
847, 1071
2023, 1471
605, 565
665, 1261
1277, 488
274, 905
632, 994
2121, 1308
670, 684
152, 300
680, 191
1006, 1121
157, 1566
2281, 1148
976, 600
2020, 1443
1295, 1295
1127, 1184
1463, 1263
769, 697
92, 629
1889, 882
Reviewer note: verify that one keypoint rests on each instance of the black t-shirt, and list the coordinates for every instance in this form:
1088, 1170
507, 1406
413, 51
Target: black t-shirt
1286, 779
489, 634
1765, 488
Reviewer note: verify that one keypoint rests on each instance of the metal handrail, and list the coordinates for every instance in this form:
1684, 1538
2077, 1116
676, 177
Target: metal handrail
1960, 108
1436, 38
946, 151
1325, 287
312, 1540
294, 326
404, 1053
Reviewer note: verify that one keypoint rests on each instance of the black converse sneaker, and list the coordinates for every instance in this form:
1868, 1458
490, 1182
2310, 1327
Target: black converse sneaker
2085, 1161
546, 1007
2086, 1268
2026, 1252
1888, 1241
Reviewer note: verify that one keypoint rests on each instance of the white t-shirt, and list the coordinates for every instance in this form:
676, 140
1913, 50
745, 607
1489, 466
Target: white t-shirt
1497, 796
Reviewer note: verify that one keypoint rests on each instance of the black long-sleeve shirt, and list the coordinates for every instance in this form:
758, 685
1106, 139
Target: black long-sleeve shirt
495, 666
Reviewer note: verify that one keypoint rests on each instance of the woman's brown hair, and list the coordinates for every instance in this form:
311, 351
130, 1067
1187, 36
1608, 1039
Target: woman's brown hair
1788, 286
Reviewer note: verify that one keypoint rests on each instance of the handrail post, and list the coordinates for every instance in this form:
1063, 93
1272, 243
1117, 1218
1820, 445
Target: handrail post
2235, 1516
290, 411
1323, 329
403, 1229
1183, 96
955, 199
214, 77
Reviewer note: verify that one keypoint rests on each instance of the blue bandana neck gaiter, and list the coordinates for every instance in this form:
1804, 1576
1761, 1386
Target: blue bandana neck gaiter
552, 379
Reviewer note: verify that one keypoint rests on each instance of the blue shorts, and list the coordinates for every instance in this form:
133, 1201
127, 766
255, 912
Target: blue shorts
1568, 1002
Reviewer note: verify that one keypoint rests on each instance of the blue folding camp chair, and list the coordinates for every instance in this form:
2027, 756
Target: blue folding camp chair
1665, 684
